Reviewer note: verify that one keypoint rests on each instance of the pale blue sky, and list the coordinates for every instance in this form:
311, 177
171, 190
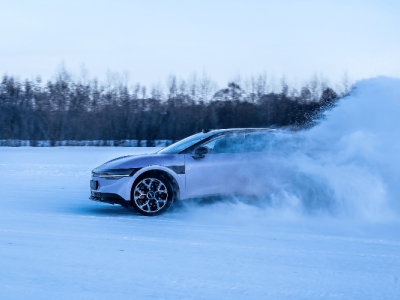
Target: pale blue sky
152, 39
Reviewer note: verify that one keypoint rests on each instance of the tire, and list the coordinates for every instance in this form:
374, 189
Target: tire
152, 194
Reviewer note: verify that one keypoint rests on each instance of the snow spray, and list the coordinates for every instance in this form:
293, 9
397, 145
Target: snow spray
347, 166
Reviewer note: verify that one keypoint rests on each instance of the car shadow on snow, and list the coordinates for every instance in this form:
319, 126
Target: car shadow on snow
107, 210
178, 207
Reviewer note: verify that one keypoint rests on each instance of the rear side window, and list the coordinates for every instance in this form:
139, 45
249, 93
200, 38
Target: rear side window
257, 142
229, 143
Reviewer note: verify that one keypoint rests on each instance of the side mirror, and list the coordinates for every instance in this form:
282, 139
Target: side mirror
200, 152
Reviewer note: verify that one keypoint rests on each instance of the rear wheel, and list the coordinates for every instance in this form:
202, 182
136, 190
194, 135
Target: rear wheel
152, 195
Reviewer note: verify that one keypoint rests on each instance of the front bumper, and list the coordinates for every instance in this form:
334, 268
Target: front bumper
109, 198
121, 187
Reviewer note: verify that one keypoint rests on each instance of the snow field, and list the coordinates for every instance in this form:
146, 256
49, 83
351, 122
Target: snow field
329, 229
57, 244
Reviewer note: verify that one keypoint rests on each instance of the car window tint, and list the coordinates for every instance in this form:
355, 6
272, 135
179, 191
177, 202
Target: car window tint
257, 142
226, 144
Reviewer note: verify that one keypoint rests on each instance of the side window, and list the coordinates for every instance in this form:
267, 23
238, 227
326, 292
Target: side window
232, 143
257, 142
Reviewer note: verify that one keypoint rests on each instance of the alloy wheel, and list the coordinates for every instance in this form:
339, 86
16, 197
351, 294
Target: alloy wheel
150, 195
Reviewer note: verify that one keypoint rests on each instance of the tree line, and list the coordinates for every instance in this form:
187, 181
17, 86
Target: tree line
69, 109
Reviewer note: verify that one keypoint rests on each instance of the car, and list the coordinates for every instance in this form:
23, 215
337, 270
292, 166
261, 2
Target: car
212, 162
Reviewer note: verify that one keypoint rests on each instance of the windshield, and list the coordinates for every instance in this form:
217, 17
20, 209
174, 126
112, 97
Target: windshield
185, 143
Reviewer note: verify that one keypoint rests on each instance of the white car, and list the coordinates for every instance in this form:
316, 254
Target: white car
212, 162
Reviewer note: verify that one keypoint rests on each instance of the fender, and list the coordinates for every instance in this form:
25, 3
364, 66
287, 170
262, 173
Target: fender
179, 178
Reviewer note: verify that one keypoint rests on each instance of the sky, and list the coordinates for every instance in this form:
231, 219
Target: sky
149, 40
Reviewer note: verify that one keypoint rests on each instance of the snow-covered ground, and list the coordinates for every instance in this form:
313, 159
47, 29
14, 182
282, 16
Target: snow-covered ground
329, 228
57, 244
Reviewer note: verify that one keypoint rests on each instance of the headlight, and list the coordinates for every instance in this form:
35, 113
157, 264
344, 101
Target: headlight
114, 173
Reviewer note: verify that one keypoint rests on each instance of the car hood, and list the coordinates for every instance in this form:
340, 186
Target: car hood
141, 161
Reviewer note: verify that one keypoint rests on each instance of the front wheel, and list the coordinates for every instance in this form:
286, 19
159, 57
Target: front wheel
152, 195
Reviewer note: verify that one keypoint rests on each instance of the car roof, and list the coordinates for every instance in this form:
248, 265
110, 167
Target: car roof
241, 130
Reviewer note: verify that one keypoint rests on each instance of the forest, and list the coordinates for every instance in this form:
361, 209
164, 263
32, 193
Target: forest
69, 109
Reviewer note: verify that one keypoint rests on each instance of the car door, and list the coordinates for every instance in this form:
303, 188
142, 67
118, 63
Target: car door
218, 172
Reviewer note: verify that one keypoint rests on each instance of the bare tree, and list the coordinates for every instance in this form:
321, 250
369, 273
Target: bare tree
157, 92
172, 86
313, 87
262, 87
207, 87
143, 92
284, 86
193, 87
182, 87
136, 90
345, 84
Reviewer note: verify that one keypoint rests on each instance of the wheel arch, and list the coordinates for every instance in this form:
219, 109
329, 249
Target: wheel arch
167, 174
